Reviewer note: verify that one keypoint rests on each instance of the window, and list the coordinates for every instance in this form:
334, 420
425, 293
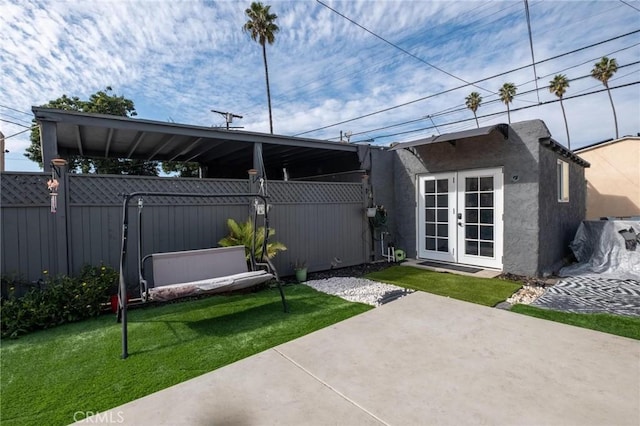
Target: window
563, 181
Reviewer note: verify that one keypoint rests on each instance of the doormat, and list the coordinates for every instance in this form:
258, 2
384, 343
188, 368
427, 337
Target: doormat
460, 268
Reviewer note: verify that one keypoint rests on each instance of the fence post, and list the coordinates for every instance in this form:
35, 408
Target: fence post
49, 144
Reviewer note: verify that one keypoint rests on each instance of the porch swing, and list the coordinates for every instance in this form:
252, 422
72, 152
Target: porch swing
194, 272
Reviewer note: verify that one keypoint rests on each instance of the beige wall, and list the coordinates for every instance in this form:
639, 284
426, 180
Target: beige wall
613, 180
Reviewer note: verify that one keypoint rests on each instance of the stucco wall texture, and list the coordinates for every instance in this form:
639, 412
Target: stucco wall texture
537, 229
613, 180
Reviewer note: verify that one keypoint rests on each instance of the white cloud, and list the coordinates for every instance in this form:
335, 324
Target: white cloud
178, 60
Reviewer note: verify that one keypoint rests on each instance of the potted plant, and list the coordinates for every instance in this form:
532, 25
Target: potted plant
300, 269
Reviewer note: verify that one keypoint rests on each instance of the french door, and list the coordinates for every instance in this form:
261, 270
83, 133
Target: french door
460, 217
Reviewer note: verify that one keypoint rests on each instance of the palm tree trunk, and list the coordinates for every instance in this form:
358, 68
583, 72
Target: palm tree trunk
566, 125
266, 73
476, 117
615, 117
508, 114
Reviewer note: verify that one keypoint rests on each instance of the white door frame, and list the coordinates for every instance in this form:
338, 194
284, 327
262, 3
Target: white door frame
467, 246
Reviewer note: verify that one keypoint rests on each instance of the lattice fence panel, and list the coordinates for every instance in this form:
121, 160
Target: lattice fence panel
24, 189
314, 192
109, 190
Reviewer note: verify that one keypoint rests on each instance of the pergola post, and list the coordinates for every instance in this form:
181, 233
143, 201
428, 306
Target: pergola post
49, 147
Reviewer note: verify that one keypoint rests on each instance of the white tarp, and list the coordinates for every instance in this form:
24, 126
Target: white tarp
607, 248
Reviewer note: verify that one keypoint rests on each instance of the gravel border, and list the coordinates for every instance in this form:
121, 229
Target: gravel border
359, 289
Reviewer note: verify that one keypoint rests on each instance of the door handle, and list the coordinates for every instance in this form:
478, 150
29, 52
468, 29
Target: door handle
460, 224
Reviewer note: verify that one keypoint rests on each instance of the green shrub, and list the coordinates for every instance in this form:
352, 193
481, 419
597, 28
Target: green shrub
59, 300
241, 234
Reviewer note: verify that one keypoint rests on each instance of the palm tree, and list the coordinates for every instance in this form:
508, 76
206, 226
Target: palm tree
472, 102
558, 86
603, 71
261, 28
507, 92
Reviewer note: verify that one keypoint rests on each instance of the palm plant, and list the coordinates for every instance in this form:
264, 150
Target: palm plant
558, 86
242, 234
507, 93
261, 28
472, 102
603, 71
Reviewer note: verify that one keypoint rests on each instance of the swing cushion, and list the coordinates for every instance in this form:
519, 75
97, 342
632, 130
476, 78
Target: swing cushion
212, 285
193, 272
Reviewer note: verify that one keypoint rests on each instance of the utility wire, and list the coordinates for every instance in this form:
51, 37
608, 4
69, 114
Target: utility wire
512, 110
13, 122
16, 110
372, 60
533, 59
460, 108
631, 6
14, 118
465, 85
400, 48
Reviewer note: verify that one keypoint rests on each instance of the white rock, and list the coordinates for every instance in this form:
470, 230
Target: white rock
354, 289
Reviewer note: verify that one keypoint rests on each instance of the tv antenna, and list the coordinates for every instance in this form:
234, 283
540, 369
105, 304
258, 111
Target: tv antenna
228, 117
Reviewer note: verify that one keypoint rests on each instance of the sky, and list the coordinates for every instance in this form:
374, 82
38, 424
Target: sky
385, 71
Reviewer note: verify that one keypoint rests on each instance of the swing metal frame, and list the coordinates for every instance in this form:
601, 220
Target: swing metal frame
122, 287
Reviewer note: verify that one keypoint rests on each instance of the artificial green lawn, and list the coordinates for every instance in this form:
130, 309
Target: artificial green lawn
49, 375
612, 324
490, 292
483, 291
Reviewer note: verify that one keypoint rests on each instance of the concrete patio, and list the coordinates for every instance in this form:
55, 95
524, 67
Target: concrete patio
420, 360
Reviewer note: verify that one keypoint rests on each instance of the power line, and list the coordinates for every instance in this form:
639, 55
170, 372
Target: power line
14, 118
371, 57
13, 122
460, 108
513, 110
16, 110
533, 59
631, 6
465, 85
400, 48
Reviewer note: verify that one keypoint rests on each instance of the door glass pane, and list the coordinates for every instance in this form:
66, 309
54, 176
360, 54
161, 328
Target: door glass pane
486, 233
486, 249
471, 184
471, 216
486, 200
443, 244
471, 231
471, 200
431, 244
442, 215
430, 229
430, 215
443, 186
486, 216
430, 201
429, 187
486, 183
443, 200
443, 230
471, 247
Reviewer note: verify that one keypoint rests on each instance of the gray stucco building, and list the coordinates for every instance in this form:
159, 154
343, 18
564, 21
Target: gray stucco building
507, 197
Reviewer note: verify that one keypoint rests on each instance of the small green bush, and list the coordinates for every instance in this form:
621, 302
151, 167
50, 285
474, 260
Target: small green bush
61, 299
241, 234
